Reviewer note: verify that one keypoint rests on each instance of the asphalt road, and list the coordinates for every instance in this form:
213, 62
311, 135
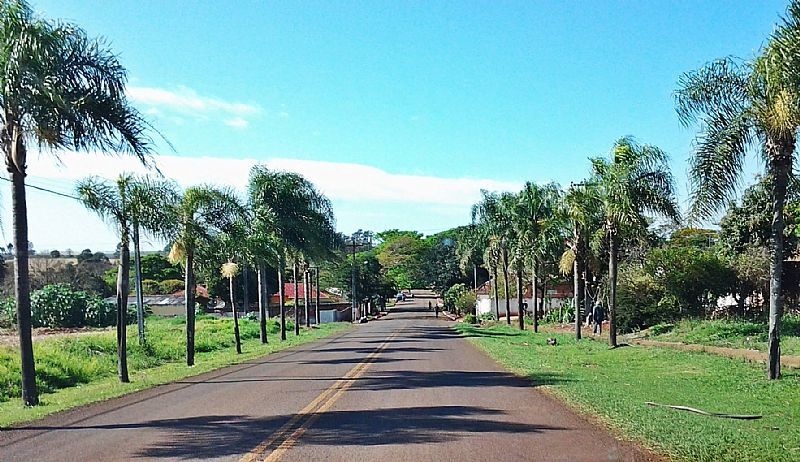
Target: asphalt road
404, 387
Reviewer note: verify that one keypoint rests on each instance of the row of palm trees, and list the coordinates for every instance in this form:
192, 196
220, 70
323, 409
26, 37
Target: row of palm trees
544, 229
60, 89
740, 107
211, 229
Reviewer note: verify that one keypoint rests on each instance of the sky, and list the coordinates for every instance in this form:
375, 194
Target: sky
400, 111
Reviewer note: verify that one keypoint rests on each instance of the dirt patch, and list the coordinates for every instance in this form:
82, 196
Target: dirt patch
9, 337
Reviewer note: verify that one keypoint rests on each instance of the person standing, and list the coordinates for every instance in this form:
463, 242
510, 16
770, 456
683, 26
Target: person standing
598, 316
437, 308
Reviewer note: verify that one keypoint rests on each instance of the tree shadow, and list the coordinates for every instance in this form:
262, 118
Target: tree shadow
204, 437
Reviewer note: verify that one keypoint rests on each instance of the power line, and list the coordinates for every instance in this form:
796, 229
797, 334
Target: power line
45, 190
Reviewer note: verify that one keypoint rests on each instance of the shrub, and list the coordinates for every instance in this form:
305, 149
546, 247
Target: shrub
150, 287
485, 317
465, 303
452, 295
170, 286
58, 305
8, 316
470, 319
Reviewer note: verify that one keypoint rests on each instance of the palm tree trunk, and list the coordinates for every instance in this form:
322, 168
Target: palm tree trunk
123, 289
780, 170
496, 294
544, 294
520, 301
612, 289
505, 287
307, 296
189, 294
535, 296
281, 298
235, 318
316, 304
579, 283
246, 293
296, 299
263, 302
137, 262
22, 291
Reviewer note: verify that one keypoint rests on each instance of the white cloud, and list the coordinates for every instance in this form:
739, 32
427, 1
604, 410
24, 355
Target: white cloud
237, 122
339, 181
363, 196
185, 101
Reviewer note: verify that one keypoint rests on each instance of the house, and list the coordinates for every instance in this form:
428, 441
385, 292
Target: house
170, 304
555, 297
325, 297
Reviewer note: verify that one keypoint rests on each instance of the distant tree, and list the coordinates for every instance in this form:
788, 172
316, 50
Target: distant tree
55, 254
86, 254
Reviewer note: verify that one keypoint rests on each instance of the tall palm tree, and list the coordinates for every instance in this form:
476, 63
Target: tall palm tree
229, 270
636, 180
202, 213
742, 105
298, 215
534, 218
112, 202
493, 217
62, 90
580, 207
152, 205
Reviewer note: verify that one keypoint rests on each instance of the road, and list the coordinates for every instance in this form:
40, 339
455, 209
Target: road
404, 387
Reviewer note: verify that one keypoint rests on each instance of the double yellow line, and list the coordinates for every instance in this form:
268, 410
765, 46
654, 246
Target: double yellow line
311, 412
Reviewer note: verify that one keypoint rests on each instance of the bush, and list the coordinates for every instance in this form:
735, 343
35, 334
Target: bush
452, 296
150, 287
170, 286
8, 315
470, 319
465, 303
486, 317
58, 305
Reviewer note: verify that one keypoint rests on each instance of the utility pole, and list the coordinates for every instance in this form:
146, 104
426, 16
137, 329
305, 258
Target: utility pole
352, 246
316, 303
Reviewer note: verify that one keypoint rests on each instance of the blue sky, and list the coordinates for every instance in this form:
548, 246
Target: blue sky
430, 98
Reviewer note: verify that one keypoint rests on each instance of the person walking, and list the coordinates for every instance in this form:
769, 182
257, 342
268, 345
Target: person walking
430, 306
437, 309
598, 316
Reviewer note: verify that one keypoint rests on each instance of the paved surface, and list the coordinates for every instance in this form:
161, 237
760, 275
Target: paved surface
404, 387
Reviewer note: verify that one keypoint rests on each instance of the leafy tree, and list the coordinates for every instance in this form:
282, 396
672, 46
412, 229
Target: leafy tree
739, 106
401, 254
636, 180
62, 90
55, 254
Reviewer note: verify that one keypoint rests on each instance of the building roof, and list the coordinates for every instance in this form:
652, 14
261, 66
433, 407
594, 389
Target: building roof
288, 291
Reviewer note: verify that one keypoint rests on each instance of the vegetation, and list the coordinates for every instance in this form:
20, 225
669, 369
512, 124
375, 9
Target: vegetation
59, 305
729, 333
586, 375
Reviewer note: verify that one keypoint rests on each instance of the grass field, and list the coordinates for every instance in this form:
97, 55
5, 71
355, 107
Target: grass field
729, 333
615, 384
72, 371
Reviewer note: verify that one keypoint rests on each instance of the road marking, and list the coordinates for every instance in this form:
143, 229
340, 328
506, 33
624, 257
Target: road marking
313, 410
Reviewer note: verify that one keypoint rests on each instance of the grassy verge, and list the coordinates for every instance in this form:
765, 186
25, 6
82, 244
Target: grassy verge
729, 333
615, 384
72, 371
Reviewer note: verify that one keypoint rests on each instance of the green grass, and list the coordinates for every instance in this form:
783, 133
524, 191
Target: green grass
72, 371
730, 333
615, 384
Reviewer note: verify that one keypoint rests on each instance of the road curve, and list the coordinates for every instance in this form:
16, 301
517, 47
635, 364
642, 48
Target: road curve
405, 387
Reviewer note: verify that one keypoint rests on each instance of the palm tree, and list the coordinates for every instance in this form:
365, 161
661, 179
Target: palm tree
61, 90
580, 206
202, 213
534, 220
151, 204
744, 105
298, 216
230, 270
112, 203
492, 215
492, 258
636, 180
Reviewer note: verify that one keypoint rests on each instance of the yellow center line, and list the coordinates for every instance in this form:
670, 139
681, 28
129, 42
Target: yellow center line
313, 410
